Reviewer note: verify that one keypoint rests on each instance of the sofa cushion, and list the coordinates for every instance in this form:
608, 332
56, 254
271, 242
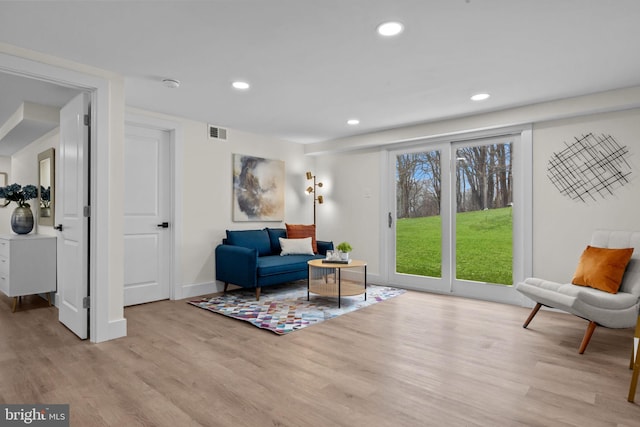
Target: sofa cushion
602, 268
276, 264
274, 236
299, 231
296, 246
252, 239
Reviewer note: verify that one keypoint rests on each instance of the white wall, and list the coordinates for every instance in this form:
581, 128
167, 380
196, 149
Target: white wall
356, 212
351, 210
207, 193
562, 227
5, 213
208, 181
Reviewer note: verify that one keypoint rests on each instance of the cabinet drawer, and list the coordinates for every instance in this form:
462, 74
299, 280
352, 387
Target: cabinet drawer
4, 284
27, 264
4, 248
4, 265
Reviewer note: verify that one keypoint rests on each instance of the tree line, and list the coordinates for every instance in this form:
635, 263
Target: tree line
483, 173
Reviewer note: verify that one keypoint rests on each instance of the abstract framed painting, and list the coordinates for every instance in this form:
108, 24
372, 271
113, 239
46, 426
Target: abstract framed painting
258, 189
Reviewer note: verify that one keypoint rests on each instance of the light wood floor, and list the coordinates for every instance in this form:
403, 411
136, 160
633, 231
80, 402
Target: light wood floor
415, 360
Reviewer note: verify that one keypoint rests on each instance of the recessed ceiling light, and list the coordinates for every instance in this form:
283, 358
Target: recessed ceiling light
353, 122
388, 29
171, 83
240, 85
480, 96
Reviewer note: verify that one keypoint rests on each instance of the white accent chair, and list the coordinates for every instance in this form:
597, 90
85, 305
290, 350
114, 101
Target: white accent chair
600, 308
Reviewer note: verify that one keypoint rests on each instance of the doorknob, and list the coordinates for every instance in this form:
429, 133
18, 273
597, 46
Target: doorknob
58, 227
163, 225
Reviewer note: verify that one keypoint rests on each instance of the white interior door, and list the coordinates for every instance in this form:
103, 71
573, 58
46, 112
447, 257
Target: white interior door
72, 195
147, 239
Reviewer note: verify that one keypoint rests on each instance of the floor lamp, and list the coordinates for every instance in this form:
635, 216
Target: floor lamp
314, 190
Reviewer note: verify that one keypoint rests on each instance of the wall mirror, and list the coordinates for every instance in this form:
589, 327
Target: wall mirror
46, 187
3, 183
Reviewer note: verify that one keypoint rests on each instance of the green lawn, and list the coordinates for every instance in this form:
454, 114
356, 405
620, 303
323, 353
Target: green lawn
484, 246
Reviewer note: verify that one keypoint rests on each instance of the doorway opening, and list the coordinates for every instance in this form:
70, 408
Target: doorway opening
102, 323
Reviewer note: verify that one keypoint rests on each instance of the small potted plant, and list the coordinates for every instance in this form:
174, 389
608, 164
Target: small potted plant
344, 249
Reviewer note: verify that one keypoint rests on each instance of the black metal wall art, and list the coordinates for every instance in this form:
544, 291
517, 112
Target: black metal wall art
594, 165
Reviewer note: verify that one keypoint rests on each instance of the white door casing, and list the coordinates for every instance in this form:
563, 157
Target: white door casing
147, 205
107, 101
72, 179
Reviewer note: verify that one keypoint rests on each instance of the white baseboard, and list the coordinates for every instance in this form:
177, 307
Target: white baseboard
115, 329
357, 275
199, 289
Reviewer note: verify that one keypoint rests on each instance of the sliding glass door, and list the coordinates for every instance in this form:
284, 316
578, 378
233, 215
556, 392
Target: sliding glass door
420, 216
454, 222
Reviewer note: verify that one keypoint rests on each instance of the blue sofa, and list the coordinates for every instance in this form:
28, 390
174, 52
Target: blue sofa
251, 259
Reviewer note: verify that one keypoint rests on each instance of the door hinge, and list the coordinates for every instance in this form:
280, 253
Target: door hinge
87, 120
87, 211
86, 302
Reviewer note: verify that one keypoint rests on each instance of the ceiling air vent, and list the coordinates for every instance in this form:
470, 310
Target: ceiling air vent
216, 132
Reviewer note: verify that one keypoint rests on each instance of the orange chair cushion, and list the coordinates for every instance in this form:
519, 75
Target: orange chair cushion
602, 268
299, 231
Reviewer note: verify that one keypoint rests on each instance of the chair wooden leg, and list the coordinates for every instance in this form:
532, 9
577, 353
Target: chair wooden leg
634, 378
634, 381
257, 294
226, 285
587, 336
532, 315
636, 343
635, 362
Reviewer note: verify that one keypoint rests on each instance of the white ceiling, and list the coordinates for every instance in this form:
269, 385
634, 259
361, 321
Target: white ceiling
313, 64
15, 91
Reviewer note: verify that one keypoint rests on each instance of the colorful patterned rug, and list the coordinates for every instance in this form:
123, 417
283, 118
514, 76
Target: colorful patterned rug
283, 309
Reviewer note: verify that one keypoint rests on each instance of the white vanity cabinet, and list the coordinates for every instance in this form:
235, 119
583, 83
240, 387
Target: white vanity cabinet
27, 265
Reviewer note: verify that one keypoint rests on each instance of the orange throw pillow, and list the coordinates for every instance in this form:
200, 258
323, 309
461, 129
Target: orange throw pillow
299, 231
602, 268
